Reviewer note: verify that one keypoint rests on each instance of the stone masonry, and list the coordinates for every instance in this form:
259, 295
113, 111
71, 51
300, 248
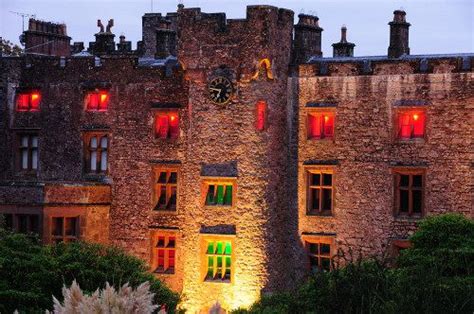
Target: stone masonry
266, 157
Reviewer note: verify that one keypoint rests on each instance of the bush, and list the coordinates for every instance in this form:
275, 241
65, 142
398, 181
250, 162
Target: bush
435, 275
30, 274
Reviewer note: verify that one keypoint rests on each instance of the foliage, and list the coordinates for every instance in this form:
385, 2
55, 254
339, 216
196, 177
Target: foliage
435, 275
7, 48
30, 274
125, 300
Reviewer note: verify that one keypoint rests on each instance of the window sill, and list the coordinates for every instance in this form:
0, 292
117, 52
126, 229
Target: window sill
323, 214
322, 140
415, 140
211, 207
164, 272
407, 218
218, 281
165, 211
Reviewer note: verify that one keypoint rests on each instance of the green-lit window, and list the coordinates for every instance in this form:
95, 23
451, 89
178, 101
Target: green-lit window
219, 195
219, 261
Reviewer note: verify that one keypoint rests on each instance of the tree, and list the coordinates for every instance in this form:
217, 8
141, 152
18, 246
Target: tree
31, 274
7, 48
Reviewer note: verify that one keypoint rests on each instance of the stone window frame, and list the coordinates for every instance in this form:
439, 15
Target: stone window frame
204, 240
30, 133
155, 234
64, 237
312, 169
395, 120
319, 239
156, 169
227, 181
320, 111
411, 171
86, 139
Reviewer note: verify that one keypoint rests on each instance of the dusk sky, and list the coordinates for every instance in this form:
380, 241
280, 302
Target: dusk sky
438, 26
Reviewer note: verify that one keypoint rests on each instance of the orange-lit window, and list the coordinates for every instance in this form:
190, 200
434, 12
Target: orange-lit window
409, 192
319, 193
320, 251
167, 125
320, 125
164, 253
97, 101
261, 120
96, 148
411, 124
165, 189
29, 101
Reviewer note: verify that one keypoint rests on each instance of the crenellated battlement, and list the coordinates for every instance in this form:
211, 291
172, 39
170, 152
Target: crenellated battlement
351, 66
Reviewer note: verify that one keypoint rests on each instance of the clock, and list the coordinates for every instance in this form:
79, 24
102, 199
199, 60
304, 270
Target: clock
220, 90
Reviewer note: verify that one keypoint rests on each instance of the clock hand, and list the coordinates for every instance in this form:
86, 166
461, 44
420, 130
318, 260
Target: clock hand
215, 89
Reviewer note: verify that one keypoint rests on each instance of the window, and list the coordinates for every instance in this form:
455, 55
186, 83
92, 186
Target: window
320, 193
261, 122
96, 152
167, 125
64, 229
320, 125
411, 124
319, 250
28, 152
97, 101
28, 101
164, 253
219, 195
165, 189
218, 261
409, 193
22, 223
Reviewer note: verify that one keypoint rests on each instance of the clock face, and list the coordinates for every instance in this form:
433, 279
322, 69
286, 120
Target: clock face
220, 90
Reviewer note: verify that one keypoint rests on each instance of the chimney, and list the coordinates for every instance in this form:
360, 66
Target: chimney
104, 40
343, 48
398, 35
159, 35
307, 42
46, 38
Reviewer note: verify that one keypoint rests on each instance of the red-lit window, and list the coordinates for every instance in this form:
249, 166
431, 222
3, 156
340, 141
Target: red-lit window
164, 253
97, 101
261, 115
320, 125
29, 101
167, 125
411, 124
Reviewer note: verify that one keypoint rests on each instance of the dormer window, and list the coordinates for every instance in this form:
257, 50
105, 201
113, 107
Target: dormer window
97, 101
167, 125
28, 101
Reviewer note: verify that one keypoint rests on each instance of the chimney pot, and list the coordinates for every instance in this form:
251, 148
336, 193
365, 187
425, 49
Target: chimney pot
398, 35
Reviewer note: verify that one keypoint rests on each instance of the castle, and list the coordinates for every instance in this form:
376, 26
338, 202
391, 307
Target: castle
229, 153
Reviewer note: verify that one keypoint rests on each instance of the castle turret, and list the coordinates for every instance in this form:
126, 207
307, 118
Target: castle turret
398, 35
307, 42
343, 48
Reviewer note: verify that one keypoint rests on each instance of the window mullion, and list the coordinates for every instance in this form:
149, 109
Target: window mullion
410, 194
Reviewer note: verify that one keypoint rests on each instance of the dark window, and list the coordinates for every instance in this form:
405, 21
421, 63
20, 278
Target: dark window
22, 223
64, 229
165, 189
409, 194
319, 254
320, 190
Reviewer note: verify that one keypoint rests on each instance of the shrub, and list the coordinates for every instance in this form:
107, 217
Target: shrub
30, 274
126, 300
